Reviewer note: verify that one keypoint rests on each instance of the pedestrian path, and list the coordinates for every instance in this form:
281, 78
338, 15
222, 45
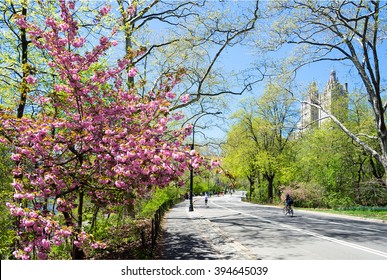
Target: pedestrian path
191, 236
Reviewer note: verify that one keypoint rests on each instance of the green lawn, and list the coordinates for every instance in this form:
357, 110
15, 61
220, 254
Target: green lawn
379, 213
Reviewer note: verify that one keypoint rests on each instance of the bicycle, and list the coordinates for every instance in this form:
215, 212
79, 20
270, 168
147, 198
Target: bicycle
288, 210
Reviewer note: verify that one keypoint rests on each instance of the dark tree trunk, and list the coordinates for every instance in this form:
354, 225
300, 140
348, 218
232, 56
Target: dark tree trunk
25, 69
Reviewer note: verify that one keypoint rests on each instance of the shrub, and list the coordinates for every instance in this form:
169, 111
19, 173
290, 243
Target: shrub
336, 200
304, 194
373, 193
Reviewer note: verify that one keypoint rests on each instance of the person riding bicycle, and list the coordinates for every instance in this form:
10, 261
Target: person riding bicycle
288, 201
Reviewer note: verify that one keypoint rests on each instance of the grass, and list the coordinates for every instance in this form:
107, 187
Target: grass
372, 212
379, 213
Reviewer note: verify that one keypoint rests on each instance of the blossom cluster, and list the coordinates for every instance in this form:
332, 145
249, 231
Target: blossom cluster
45, 230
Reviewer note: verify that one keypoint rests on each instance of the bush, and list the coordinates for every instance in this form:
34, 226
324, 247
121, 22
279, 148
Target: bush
373, 193
135, 238
307, 195
161, 196
336, 200
8, 234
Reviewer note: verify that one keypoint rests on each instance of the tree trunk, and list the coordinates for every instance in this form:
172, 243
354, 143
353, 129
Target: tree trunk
77, 253
25, 68
270, 186
94, 220
251, 181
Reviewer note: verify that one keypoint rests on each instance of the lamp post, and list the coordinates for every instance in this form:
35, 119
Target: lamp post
191, 208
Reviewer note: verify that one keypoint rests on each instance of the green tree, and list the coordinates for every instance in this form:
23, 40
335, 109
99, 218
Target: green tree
331, 162
191, 35
239, 156
15, 58
267, 124
339, 31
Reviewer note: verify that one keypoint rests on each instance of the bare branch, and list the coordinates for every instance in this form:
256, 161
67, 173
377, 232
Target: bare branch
355, 138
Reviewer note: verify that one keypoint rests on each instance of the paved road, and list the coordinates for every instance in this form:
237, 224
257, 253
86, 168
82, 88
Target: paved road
231, 229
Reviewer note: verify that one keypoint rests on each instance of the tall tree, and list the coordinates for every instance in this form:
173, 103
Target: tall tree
91, 138
239, 156
15, 60
190, 35
341, 31
268, 124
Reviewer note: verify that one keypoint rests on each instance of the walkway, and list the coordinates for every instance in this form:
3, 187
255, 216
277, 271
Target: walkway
190, 236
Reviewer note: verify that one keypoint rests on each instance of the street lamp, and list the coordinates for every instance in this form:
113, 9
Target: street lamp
191, 208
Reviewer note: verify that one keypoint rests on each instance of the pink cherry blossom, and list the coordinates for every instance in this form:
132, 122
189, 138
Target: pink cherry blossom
170, 95
18, 196
132, 72
46, 244
78, 42
31, 80
57, 241
63, 27
185, 98
50, 22
131, 10
15, 157
215, 163
21, 22
29, 248
104, 10
18, 186
103, 138
103, 40
33, 215
42, 256
29, 223
71, 5
30, 196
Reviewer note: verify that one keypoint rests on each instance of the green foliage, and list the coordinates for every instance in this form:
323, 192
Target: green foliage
372, 192
8, 235
258, 146
158, 198
61, 252
327, 158
321, 166
335, 200
132, 237
200, 187
5, 168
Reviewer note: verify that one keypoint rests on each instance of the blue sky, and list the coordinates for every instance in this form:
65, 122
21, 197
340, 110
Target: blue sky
240, 58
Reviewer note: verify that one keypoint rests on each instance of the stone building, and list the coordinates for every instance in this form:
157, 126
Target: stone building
334, 99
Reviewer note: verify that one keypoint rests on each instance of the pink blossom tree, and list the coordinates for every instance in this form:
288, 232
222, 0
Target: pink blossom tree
92, 138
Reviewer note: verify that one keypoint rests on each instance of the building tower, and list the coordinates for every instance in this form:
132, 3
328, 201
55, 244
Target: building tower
334, 99
310, 114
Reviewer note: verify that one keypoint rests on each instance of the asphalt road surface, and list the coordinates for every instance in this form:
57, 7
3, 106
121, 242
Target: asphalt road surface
263, 232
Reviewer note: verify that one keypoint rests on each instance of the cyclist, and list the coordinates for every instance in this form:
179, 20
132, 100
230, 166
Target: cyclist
288, 203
